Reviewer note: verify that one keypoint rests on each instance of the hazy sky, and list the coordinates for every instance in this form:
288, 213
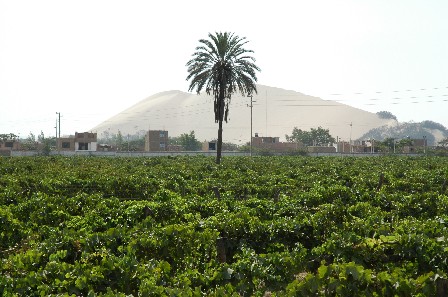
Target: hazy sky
91, 59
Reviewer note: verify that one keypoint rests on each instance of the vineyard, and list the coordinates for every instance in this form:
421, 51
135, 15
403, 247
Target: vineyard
262, 226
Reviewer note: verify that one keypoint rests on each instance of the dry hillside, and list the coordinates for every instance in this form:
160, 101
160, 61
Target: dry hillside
275, 113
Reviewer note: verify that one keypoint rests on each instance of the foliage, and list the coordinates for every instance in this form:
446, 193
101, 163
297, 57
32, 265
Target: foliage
134, 144
404, 130
288, 226
388, 145
315, 137
131, 142
444, 142
119, 140
30, 142
45, 144
228, 146
222, 66
434, 125
189, 142
386, 115
8, 136
391, 145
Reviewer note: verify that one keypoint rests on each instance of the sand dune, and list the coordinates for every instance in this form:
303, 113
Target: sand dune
275, 113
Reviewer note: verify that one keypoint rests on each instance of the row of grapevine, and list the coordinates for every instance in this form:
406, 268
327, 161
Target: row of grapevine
185, 226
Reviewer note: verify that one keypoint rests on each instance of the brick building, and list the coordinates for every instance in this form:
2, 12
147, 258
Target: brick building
9, 145
85, 141
273, 144
156, 141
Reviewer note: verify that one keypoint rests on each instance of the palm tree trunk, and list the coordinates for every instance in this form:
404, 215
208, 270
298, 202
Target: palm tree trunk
221, 104
219, 144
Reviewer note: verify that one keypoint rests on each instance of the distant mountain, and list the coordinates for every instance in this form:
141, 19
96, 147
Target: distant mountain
275, 113
434, 132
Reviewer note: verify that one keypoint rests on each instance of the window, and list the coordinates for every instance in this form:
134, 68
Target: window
162, 134
8, 144
162, 145
65, 144
83, 146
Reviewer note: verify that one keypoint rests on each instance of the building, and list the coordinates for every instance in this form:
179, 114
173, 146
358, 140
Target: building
321, 149
415, 146
259, 141
209, 146
175, 148
85, 141
66, 143
104, 147
273, 144
156, 141
8, 143
343, 147
360, 146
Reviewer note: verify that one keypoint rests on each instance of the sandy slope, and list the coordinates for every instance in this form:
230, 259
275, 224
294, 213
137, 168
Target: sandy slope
275, 113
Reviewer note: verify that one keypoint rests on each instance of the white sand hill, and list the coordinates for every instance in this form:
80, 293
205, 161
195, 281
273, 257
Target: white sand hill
275, 113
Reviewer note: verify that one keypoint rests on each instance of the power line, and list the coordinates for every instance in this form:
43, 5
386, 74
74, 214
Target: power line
238, 101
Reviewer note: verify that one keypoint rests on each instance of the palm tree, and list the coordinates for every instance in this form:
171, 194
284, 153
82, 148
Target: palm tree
222, 66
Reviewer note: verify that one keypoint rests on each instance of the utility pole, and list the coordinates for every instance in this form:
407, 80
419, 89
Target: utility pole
251, 106
59, 128
351, 127
424, 144
58, 121
266, 113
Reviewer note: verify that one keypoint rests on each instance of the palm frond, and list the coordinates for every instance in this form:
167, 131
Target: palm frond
222, 66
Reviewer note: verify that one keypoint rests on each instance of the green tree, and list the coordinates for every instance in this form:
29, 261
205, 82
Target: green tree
222, 66
41, 137
315, 137
405, 142
119, 141
387, 145
131, 142
8, 136
45, 146
189, 142
30, 142
228, 146
137, 144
